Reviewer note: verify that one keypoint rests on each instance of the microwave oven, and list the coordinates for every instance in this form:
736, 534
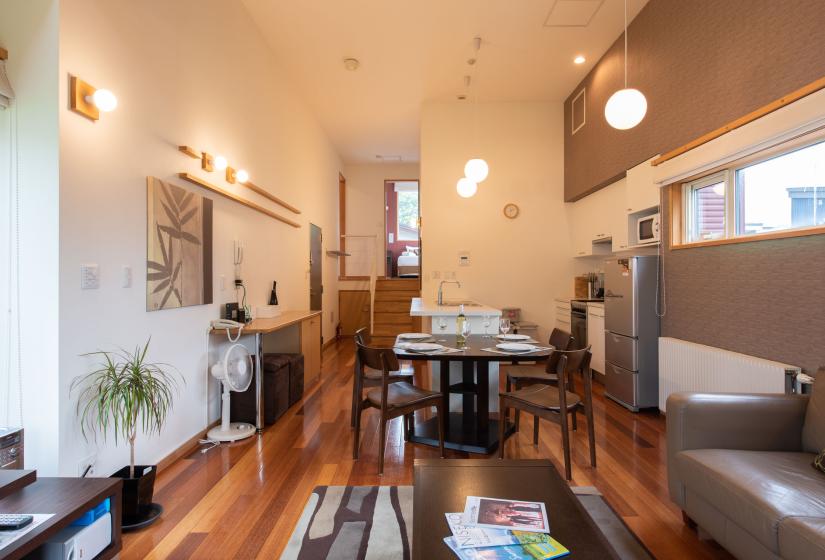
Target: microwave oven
647, 229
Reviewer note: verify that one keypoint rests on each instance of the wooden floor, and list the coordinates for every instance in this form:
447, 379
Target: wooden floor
243, 501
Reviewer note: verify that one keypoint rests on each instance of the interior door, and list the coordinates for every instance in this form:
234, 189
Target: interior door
316, 288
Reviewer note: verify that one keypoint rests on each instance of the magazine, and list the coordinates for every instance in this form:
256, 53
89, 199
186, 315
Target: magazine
535, 551
494, 513
467, 536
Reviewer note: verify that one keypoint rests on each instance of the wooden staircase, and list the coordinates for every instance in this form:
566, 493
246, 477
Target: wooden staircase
392, 309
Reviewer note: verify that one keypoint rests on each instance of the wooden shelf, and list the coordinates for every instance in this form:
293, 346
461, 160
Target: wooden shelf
13, 480
338, 254
232, 196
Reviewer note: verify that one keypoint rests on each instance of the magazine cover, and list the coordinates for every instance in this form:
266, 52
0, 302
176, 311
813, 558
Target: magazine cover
494, 513
467, 536
536, 551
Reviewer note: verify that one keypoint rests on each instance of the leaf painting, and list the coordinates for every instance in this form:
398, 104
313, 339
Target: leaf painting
179, 242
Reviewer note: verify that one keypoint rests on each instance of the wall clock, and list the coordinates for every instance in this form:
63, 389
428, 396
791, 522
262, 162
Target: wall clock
511, 211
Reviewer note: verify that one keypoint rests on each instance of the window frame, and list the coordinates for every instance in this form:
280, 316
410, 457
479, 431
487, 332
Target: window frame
398, 217
681, 207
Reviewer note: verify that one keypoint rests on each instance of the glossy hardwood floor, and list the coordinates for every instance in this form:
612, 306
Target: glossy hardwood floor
243, 501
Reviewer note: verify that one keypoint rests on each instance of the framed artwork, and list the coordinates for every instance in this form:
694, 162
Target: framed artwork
179, 247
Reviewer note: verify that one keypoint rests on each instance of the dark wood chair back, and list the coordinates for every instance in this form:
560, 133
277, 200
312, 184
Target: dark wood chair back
570, 362
382, 359
560, 340
362, 335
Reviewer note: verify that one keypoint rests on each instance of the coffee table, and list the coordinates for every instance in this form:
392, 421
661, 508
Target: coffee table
442, 485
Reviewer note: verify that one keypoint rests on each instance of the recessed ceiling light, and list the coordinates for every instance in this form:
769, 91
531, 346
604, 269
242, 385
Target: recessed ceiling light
579, 59
351, 64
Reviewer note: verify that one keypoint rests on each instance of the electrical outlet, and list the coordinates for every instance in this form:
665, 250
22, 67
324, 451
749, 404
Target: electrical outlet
436, 275
223, 282
87, 462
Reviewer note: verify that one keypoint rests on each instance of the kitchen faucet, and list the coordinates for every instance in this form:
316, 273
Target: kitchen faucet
441, 289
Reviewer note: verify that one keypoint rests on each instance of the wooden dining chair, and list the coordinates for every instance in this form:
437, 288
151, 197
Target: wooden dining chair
555, 403
392, 399
521, 376
366, 377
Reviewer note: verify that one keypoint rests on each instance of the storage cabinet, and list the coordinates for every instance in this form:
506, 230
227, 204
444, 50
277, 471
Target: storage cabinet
311, 349
594, 223
562, 307
642, 192
595, 335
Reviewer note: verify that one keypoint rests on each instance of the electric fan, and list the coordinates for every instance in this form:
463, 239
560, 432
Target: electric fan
235, 374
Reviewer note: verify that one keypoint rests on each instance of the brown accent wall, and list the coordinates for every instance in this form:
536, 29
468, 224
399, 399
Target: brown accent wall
765, 298
701, 64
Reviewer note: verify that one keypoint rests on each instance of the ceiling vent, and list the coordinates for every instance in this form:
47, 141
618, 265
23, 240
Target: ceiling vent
388, 159
572, 13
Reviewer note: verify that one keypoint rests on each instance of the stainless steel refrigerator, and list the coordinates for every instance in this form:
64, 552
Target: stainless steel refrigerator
631, 332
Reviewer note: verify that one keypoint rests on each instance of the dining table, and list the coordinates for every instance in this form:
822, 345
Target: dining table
470, 429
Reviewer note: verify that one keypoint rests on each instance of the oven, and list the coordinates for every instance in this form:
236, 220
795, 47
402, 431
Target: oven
578, 324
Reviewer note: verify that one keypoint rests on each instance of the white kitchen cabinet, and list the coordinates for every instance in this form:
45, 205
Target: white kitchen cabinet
641, 191
593, 218
595, 335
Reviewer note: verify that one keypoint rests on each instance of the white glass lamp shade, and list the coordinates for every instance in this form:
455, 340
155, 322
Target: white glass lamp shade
625, 109
104, 100
220, 163
242, 176
476, 170
466, 188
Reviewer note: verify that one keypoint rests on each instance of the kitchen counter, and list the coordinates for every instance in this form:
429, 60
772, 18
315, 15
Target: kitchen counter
420, 308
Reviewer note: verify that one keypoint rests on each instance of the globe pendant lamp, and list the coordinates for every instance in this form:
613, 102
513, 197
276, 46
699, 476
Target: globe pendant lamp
476, 170
627, 107
466, 188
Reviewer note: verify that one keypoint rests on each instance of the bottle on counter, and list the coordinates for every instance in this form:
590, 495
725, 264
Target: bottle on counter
459, 326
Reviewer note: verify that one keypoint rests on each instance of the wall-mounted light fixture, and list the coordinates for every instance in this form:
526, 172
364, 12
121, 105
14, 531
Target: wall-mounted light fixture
89, 101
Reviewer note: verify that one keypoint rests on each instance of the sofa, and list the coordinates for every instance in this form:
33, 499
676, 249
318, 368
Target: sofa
741, 468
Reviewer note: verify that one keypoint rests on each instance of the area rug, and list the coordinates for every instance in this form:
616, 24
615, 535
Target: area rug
375, 523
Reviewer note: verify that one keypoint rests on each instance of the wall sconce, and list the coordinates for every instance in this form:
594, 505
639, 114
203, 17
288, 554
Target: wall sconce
89, 101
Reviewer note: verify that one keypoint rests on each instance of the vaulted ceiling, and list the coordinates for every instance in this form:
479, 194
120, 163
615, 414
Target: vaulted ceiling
414, 51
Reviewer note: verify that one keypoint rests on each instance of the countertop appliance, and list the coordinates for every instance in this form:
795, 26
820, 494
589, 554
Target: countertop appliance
11, 448
648, 229
631, 332
78, 542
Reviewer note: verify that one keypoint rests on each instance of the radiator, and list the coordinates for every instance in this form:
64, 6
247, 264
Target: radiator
686, 366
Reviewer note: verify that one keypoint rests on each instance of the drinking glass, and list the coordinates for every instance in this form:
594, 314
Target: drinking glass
504, 326
442, 326
486, 320
465, 331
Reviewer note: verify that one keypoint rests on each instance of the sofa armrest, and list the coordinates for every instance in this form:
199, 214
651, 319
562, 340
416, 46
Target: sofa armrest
756, 422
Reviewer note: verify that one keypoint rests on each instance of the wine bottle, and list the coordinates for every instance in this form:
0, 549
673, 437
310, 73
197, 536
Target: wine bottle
459, 326
273, 296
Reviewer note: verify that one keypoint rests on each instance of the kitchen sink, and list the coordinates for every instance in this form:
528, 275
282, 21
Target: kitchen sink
456, 303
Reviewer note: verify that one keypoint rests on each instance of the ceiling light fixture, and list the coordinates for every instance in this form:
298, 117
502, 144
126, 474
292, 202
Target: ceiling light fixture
627, 107
476, 169
579, 59
352, 64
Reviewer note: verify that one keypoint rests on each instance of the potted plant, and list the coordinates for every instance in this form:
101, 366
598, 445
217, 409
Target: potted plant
124, 393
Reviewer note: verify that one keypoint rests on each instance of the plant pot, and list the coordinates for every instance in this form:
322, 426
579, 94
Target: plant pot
137, 493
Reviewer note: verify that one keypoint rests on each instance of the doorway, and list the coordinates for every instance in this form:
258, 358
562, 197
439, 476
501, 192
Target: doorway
402, 219
316, 287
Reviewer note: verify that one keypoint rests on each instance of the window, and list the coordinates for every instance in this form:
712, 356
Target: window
407, 215
782, 193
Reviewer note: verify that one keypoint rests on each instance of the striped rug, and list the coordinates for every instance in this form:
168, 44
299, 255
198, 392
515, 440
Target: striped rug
375, 523
354, 522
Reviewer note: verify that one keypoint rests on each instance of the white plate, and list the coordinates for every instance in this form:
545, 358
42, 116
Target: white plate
513, 337
424, 347
515, 347
414, 336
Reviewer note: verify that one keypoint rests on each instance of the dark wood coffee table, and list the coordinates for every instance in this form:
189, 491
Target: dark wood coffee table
442, 485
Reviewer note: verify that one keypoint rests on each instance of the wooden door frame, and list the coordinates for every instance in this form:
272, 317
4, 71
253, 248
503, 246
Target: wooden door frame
420, 251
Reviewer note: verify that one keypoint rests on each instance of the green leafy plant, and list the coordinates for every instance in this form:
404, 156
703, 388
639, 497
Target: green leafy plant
125, 392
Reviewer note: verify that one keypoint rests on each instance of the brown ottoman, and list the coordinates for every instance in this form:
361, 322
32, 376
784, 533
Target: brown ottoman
275, 388
296, 378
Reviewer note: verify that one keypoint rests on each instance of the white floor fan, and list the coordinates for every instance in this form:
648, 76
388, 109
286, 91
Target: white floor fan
234, 372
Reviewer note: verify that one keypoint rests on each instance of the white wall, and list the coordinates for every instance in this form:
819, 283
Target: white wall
29, 30
365, 211
190, 72
524, 262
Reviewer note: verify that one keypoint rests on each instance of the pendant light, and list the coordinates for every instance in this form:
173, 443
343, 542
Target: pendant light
627, 107
476, 169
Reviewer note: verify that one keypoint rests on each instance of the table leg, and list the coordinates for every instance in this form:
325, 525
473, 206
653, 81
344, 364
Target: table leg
259, 382
444, 388
467, 398
483, 395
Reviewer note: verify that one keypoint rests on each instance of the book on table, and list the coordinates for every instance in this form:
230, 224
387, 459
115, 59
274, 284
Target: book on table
533, 551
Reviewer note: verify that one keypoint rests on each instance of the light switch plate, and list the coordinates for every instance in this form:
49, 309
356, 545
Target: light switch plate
464, 258
127, 276
89, 277
436, 274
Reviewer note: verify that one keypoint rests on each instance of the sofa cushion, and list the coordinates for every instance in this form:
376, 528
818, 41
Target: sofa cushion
813, 431
801, 538
755, 489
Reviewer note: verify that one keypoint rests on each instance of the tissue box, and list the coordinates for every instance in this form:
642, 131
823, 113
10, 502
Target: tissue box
268, 311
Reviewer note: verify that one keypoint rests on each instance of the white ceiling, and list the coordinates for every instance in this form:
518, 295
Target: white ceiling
413, 51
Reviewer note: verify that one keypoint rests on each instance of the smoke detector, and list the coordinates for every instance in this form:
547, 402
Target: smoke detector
351, 64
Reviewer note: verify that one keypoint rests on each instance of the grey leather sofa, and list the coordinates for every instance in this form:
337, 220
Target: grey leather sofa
740, 468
